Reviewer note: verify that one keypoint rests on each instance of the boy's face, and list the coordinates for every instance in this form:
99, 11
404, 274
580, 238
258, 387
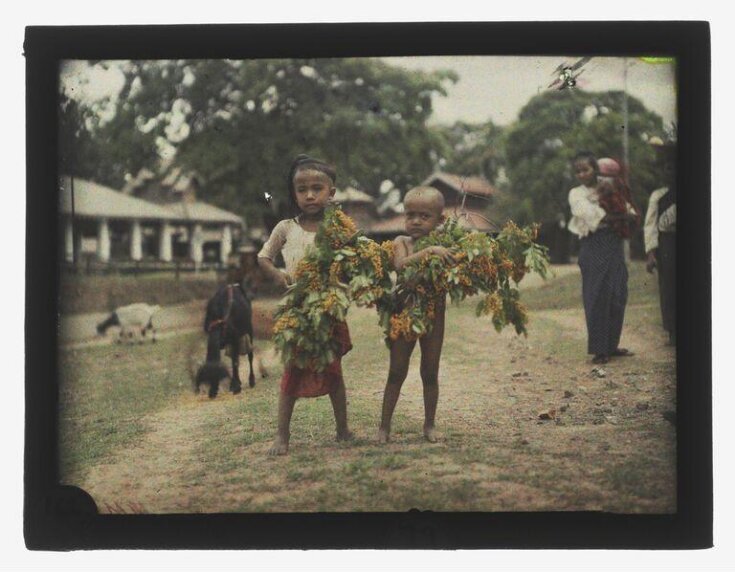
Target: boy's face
312, 189
422, 216
585, 172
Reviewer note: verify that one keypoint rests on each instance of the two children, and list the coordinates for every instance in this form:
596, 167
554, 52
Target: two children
311, 187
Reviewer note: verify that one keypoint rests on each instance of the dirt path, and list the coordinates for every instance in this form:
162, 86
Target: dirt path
527, 423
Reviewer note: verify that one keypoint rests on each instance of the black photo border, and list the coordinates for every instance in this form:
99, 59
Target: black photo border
65, 518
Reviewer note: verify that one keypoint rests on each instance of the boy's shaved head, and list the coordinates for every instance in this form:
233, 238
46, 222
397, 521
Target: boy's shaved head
429, 195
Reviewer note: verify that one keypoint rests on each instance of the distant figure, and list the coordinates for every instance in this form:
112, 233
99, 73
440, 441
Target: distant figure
659, 233
311, 185
424, 208
601, 260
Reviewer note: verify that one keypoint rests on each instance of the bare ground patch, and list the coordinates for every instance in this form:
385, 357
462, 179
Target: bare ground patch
606, 445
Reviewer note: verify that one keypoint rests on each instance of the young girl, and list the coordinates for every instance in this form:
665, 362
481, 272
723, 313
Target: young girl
601, 260
311, 185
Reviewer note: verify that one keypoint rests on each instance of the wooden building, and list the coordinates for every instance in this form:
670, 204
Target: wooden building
117, 226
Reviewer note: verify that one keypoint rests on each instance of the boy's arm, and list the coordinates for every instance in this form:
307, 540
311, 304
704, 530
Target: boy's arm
402, 257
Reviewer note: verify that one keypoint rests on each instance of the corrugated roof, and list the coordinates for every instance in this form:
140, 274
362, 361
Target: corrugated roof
199, 211
95, 200
471, 220
472, 185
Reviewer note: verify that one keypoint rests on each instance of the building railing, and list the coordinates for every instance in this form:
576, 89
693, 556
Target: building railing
91, 265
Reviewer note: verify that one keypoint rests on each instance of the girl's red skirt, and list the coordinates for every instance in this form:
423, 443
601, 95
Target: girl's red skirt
297, 382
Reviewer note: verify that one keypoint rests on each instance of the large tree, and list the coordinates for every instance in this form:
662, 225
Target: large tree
474, 149
238, 124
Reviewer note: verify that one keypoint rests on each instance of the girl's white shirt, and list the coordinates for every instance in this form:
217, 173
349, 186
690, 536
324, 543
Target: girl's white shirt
586, 210
291, 241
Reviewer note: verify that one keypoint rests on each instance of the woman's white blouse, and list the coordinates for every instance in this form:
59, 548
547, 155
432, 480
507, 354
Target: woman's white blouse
290, 240
586, 210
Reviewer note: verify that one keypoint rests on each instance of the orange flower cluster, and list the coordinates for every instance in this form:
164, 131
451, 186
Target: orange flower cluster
285, 322
373, 252
343, 267
400, 327
330, 301
341, 230
481, 265
388, 248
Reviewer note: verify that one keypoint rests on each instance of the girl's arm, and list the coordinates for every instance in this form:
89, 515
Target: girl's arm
281, 279
402, 257
270, 250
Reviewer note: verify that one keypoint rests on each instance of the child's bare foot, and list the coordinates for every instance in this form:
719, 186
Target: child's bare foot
279, 447
430, 434
383, 436
345, 435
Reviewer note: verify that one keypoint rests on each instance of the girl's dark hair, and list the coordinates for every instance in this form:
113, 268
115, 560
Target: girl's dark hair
587, 156
304, 162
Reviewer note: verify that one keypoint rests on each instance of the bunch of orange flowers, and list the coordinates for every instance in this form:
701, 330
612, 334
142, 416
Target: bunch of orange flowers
483, 265
343, 267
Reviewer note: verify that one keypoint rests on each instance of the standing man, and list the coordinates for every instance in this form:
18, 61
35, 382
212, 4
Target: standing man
659, 233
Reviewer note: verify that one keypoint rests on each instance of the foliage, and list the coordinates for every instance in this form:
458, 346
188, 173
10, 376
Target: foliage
483, 265
343, 267
474, 149
239, 123
554, 126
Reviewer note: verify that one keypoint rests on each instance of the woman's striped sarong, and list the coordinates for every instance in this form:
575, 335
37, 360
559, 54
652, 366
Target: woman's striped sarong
604, 289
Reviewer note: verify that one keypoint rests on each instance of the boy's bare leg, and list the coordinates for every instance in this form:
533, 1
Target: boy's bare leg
400, 357
339, 404
285, 409
431, 350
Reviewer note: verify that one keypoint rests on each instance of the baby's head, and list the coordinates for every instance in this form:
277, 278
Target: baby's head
607, 167
424, 211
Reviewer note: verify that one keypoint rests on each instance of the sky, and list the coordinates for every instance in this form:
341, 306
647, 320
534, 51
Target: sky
497, 87
489, 87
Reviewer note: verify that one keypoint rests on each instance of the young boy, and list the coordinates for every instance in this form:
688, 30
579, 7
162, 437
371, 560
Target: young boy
424, 208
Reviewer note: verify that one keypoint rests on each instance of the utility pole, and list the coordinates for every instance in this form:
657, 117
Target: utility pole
626, 160
73, 234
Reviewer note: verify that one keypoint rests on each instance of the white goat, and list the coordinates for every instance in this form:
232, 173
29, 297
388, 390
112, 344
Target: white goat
132, 319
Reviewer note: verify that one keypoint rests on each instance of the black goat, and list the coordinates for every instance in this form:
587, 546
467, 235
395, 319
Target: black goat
229, 324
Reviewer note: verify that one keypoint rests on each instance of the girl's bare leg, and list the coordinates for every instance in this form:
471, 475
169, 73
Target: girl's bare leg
339, 404
285, 409
431, 350
400, 357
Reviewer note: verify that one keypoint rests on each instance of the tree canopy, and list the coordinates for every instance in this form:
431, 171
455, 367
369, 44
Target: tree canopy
238, 124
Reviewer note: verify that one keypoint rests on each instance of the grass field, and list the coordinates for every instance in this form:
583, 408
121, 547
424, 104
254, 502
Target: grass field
135, 436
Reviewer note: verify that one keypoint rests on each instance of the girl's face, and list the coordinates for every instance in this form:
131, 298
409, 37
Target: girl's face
313, 190
585, 172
